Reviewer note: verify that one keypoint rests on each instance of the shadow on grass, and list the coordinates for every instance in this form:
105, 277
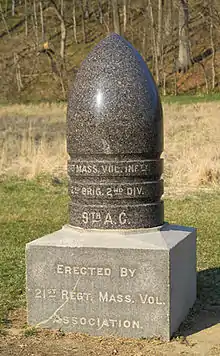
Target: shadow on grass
206, 310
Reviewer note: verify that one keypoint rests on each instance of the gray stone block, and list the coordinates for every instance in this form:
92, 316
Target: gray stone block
136, 283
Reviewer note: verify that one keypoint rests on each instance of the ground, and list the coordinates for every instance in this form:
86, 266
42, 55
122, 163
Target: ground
33, 154
203, 338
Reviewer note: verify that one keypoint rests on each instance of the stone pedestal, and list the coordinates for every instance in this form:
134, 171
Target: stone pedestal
137, 283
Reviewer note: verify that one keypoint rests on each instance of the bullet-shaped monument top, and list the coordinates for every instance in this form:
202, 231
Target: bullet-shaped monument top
114, 140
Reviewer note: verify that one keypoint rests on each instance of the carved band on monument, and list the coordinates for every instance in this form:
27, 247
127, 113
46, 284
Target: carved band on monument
126, 193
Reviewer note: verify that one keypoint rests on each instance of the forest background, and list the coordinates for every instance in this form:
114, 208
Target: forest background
42, 43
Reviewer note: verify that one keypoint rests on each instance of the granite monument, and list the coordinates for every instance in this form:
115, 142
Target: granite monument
117, 268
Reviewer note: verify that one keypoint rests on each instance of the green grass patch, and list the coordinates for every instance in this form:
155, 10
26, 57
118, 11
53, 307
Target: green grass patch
30, 209
30, 332
190, 99
184, 99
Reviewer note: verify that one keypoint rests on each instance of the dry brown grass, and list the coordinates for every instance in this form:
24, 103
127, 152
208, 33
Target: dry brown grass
32, 141
51, 111
192, 146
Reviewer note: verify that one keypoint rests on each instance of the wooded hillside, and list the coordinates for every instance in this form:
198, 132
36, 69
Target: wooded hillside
42, 43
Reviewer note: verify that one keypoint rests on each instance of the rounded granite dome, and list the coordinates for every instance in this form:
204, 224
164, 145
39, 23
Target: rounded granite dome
114, 107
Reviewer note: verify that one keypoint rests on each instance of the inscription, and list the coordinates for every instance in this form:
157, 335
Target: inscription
126, 272
98, 323
106, 297
115, 216
121, 168
106, 219
113, 191
109, 168
76, 296
98, 299
42, 293
83, 271
102, 296
94, 271
149, 299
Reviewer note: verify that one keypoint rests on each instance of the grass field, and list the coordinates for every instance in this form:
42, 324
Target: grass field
191, 99
32, 208
32, 142
167, 99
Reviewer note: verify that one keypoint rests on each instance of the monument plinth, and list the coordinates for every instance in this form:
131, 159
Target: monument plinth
116, 269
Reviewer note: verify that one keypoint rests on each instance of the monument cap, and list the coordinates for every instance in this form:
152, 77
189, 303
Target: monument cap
114, 140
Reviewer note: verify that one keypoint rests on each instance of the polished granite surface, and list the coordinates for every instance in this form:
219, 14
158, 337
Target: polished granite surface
115, 139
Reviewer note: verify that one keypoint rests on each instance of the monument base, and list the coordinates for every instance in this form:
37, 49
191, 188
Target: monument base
138, 283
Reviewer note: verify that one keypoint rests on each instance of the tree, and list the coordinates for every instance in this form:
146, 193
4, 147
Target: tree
184, 47
60, 15
4, 20
116, 19
18, 72
13, 7
155, 56
106, 16
35, 22
168, 17
26, 17
83, 22
160, 27
211, 31
42, 21
57, 72
124, 15
63, 31
86, 10
74, 21
100, 12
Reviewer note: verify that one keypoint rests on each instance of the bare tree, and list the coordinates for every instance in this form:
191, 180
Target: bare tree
205, 77
211, 31
154, 41
116, 18
74, 22
86, 9
83, 22
60, 15
56, 69
18, 72
26, 17
63, 31
106, 16
160, 27
144, 41
13, 7
100, 12
124, 16
184, 47
6, 8
35, 22
168, 17
4, 20
42, 21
